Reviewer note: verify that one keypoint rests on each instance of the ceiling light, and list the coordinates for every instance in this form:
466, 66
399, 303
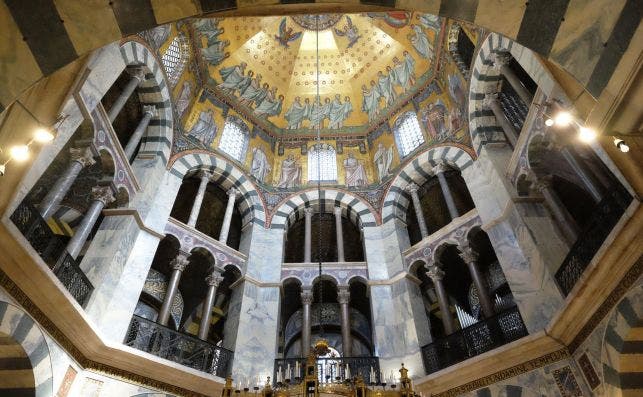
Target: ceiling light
563, 119
549, 122
586, 134
44, 135
19, 152
621, 145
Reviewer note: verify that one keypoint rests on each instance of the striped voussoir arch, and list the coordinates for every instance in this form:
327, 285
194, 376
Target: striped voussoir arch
152, 91
353, 207
227, 175
485, 79
418, 171
622, 354
20, 327
551, 28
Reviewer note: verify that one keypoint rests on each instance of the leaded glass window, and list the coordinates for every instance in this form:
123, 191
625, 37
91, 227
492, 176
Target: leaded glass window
234, 140
408, 134
322, 163
175, 58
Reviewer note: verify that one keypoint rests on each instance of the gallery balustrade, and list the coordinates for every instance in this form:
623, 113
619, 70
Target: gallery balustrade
474, 340
183, 349
51, 248
329, 369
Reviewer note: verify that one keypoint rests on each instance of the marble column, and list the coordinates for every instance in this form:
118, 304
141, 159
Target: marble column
340, 235
566, 223
198, 200
417, 205
227, 218
212, 280
138, 75
470, 257
436, 275
501, 62
583, 174
343, 297
308, 214
178, 266
491, 102
101, 196
306, 301
80, 158
438, 170
149, 111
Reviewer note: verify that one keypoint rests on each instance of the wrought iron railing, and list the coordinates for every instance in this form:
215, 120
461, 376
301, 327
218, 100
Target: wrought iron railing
471, 341
605, 217
329, 369
51, 248
183, 349
513, 106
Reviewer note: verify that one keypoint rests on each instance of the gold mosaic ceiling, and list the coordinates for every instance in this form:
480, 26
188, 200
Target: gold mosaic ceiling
353, 50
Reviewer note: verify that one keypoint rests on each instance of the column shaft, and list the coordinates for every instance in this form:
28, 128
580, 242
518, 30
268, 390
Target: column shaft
585, 177
436, 274
81, 157
137, 77
446, 192
198, 200
227, 218
517, 85
308, 213
343, 297
470, 257
306, 300
212, 281
101, 196
417, 205
565, 221
492, 102
339, 234
137, 135
178, 265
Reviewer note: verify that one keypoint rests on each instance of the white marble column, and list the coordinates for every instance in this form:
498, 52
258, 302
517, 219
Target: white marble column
438, 170
306, 302
198, 199
308, 214
470, 257
178, 266
80, 158
343, 298
586, 177
564, 220
101, 196
491, 102
212, 280
138, 75
501, 63
436, 275
412, 188
149, 111
227, 218
340, 235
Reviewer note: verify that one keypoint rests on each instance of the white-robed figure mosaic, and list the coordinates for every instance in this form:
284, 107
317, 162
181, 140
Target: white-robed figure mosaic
370, 101
296, 114
421, 42
290, 173
383, 159
260, 167
233, 77
204, 130
355, 172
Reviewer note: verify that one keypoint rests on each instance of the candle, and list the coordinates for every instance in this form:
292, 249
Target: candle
372, 375
279, 378
297, 373
288, 371
348, 372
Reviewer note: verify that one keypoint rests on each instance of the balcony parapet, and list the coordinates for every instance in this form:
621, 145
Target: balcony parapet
340, 271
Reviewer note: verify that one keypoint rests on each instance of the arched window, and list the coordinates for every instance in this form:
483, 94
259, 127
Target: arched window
175, 58
234, 140
322, 163
408, 134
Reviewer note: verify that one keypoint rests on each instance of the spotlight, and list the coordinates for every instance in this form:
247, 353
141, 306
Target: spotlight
44, 135
586, 134
2, 169
563, 119
20, 152
549, 122
621, 145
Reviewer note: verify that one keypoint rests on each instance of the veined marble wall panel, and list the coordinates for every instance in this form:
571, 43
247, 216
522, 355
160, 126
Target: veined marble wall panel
383, 246
117, 263
161, 204
265, 257
519, 254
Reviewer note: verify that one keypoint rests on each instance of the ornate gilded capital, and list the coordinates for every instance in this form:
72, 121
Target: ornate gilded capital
82, 155
213, 279
343, 295
467, 253
104, 194
435, 273
179, 263
307, 297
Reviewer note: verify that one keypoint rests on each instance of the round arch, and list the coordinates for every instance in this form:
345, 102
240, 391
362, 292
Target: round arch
228, 176
18, 325
354, 208
396, 199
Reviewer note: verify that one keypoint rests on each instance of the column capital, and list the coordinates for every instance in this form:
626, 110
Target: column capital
137, 73
468, 254
151, 109
489, 99
104, 194
233, 192
543, 183
343, 295
501, 59
205, 174
307, 297
337, 211
179, 263
308, 211
82, 155
213, 279
435, 273
440, 167
412, 188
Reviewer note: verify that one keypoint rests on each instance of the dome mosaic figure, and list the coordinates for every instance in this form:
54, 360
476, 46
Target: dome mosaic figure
204, 130
421, 42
